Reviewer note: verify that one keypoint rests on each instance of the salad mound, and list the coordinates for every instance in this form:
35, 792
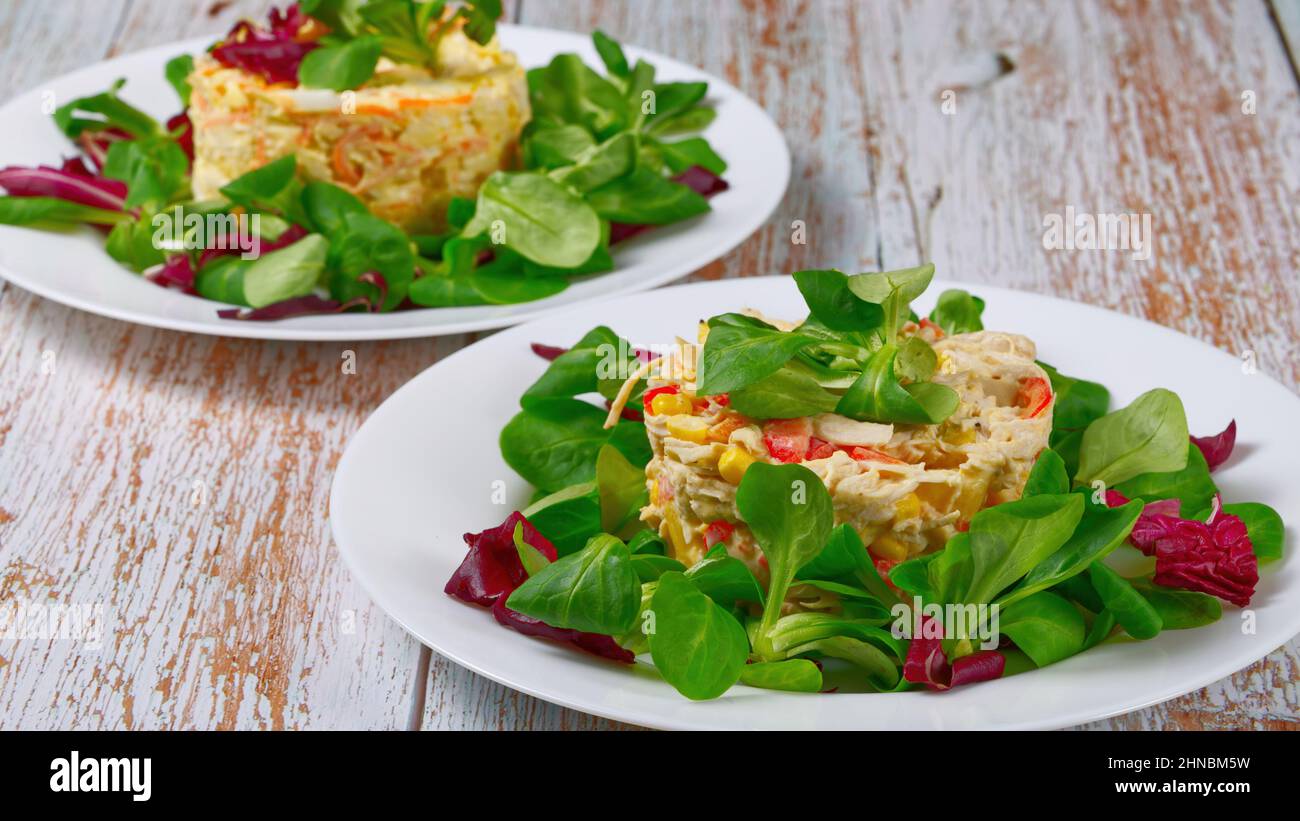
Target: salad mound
867, 501
904, 488
406, 141
377, 155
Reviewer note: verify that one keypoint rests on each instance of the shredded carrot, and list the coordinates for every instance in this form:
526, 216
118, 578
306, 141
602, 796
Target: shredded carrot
344, 169
377, 110
424, 102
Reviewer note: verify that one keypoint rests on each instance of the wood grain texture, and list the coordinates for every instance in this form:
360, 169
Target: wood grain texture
1107, 107
225, 602
181, 482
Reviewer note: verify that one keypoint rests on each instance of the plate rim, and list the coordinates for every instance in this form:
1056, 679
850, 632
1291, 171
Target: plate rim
283, 330
634, 714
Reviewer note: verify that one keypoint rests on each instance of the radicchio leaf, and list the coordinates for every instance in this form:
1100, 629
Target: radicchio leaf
176, 272
552, 352
231, 246
309, 305
492, 570
1217, 448
594, 643
984, 665
926, 663
548, 352
1214, 557
1164, 507
181, 126
73, 182
272, 52
95, 144
700, 180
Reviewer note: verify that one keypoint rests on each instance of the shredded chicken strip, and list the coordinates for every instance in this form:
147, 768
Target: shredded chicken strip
625, 393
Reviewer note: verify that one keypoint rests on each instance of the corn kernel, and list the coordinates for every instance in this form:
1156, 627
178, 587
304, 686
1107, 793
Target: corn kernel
674, 528
908, 507
973, 493
938, 496
733, 463
887, 547
688, 428
958, 436
669, 404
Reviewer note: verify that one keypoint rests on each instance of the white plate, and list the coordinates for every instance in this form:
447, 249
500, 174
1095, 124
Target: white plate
420, 472
73, 269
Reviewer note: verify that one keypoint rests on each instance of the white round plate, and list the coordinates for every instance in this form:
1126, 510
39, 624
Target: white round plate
421, 472
72, 267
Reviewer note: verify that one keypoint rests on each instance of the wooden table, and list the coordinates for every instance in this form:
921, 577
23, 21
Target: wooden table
180, 482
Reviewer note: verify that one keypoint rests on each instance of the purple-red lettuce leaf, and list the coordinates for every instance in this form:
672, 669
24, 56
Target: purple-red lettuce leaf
492, 570
1216, 449
182, 131
1214, 556
593, 643
177, 272
926, 663
273, 51
71, 183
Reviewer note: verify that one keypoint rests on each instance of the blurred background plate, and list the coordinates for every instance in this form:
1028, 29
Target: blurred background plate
73, 268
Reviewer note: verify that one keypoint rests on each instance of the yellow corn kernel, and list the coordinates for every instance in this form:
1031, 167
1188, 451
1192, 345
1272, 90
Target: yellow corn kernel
958, 436
669, 404
733, 463
938, 496
674, 528
688, 428
974, 490
908, 507
887, 547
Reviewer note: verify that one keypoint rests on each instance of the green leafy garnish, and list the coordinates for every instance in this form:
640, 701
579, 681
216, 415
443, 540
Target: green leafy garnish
1045, 626
958, 312
849, 357
178, 70
697, 646
794, 675
105, 110
595, 590
789, 511
1148, 436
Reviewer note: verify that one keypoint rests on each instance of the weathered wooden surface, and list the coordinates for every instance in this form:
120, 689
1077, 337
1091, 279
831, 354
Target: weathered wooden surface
226, 603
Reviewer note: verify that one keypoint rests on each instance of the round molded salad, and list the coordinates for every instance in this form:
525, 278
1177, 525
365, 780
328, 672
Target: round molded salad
375, 156
861, 500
